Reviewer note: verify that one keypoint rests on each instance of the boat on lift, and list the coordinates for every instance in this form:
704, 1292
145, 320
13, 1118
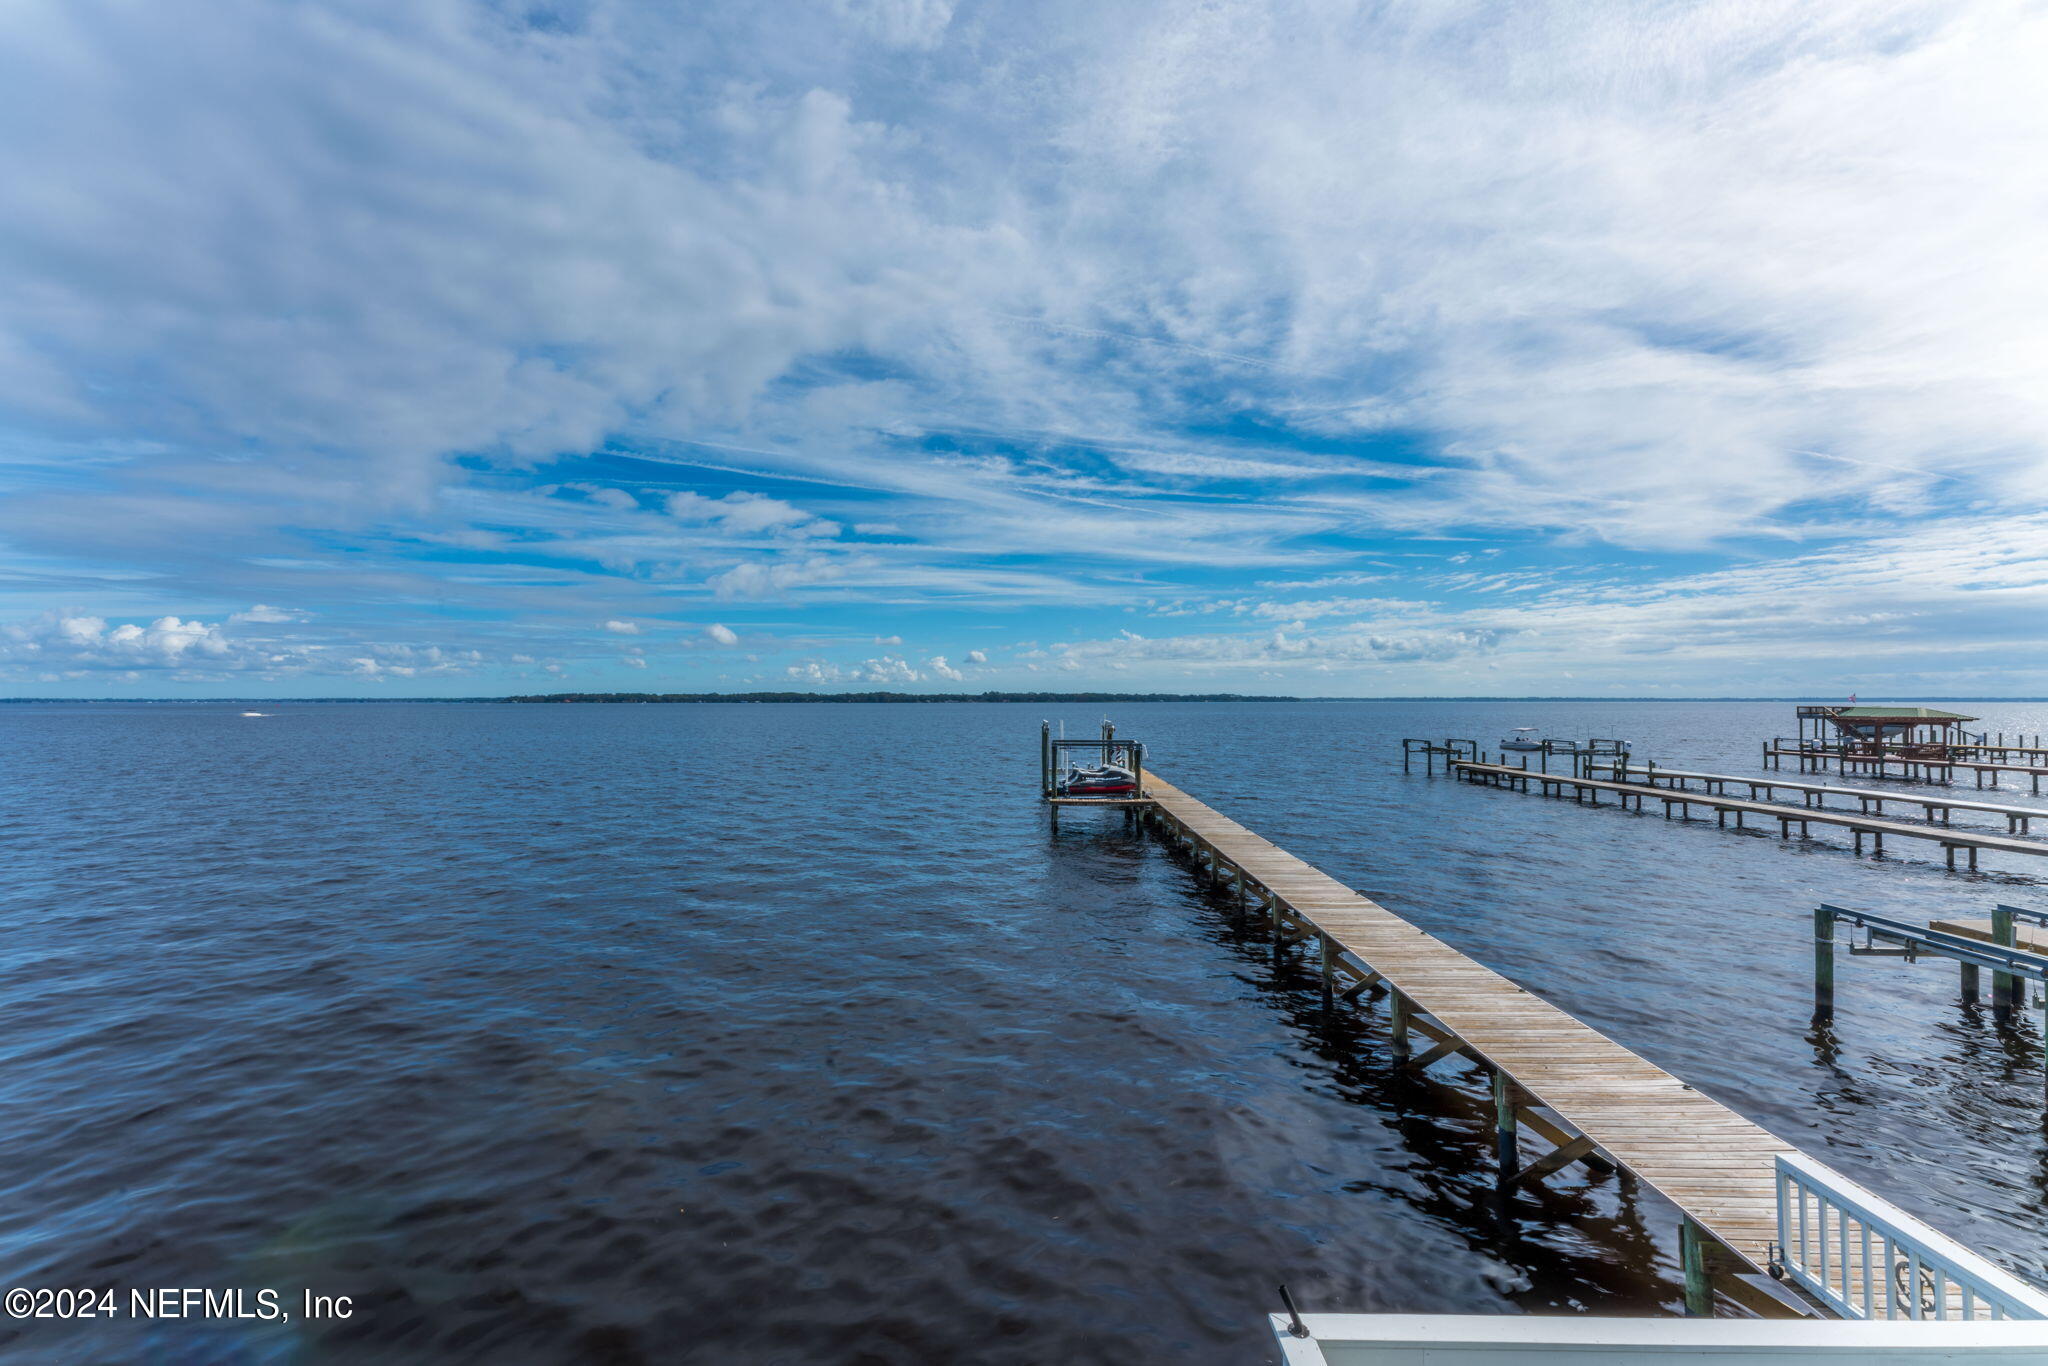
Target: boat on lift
1101, 780
1524, 739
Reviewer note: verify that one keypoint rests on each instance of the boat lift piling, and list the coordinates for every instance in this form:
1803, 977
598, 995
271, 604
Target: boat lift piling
1452, 750
2011, 968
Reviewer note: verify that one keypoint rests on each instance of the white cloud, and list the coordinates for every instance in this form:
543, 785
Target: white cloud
78, 641
814, 672
75, 645
773, 578
889, 669
1310, 609
622, 628
899, 23
976, 657
748, 514
721, 635
263, 614
633, 661
1928, 610
938, 665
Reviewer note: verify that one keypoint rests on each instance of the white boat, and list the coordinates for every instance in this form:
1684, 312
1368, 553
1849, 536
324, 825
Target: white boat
1524, 738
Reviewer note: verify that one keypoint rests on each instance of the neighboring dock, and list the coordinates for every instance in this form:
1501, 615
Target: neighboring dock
1911, 768
1870, 801
1952, 841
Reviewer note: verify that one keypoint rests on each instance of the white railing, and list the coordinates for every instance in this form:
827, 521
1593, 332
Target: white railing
1865, 1258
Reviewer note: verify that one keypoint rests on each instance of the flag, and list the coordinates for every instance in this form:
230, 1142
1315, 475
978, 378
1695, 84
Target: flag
1852, 699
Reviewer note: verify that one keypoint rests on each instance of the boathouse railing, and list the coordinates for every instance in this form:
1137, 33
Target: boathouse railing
1865, 1258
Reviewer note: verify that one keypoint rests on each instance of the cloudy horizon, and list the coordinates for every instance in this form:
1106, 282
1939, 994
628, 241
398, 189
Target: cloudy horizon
465, 348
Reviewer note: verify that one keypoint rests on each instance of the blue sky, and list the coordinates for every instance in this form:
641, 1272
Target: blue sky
464, 348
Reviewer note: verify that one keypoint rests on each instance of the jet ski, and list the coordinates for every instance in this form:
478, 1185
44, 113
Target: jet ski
1105, 780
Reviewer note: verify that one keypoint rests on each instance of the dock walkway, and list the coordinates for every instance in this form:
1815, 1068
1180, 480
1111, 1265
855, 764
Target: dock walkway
1912, 767
1870, 800
1591, 1097
1951, 840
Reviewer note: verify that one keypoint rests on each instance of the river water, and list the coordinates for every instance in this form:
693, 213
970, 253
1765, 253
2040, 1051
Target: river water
795, 1034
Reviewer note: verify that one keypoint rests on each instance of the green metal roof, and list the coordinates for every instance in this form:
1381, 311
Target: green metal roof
1900, 713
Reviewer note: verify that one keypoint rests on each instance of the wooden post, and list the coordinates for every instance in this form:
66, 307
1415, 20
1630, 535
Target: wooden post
1823, 963
1329, 969
1970, 983
1692, 1256
1400, 1025
1507, 1157
1045, 758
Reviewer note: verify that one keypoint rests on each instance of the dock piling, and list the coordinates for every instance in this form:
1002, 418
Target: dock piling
1823, 963
1506, 1150
1692, 1257
2004, 986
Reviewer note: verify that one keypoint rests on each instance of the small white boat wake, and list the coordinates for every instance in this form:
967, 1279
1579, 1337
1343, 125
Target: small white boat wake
255, 713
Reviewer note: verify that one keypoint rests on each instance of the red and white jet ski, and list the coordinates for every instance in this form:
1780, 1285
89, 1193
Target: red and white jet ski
1106, 780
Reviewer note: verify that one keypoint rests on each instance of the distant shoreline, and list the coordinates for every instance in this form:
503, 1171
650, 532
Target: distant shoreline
782, 698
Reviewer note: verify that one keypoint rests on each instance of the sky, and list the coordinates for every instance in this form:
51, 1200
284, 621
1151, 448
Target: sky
441, 347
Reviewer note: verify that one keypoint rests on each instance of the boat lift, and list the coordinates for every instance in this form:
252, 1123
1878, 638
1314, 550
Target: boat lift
1054, 760
1883, 937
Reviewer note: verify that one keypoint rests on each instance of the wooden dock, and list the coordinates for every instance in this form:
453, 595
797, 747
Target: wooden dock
1912, 768
1870, 801
1952, 841
1587, 1098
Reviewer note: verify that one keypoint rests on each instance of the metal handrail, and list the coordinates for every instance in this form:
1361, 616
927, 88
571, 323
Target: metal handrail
1844, 1269
2002, 957
2022, 913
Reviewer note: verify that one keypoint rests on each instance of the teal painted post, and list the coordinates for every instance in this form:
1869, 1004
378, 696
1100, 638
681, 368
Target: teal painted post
1506, 1153
2003, 984
1692, 1256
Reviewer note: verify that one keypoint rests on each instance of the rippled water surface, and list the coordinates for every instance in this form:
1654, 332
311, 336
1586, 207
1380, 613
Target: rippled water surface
795, 1034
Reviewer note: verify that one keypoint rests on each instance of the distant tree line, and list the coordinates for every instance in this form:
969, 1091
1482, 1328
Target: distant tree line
896, 697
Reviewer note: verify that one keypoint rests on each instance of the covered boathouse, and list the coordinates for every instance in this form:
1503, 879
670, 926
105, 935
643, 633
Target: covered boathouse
1909, 732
